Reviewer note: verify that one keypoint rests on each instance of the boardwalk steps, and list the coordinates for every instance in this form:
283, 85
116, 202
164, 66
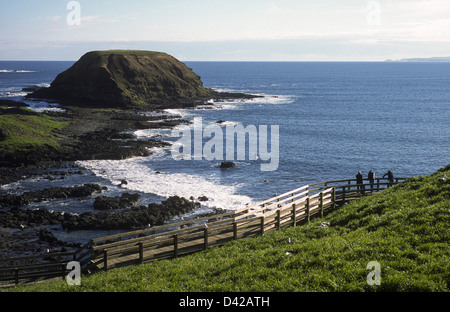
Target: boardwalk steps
174, 240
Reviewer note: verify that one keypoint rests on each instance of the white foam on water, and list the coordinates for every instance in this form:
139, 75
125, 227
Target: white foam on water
179, 112
13, 94
42, 106
158, 152
270, 99
16, 71
141, 177
263, 98
148, 133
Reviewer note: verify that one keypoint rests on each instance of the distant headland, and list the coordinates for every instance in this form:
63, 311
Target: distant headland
426, 59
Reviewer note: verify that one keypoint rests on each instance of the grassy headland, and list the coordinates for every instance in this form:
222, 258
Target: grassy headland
23, 130
119, 78
404, 229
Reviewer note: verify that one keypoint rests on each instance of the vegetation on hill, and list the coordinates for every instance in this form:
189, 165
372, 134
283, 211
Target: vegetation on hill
126, 79
23, 130
404, 229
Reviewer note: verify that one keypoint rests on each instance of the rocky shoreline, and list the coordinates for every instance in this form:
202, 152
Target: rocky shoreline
92, 134
138, 217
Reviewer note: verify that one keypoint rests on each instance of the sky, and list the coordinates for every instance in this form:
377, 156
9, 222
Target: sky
227, 30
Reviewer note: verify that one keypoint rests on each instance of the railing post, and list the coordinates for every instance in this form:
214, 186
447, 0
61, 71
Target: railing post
63, 271
321, 204
294, 214
175, 246
293, 195
205, 235
278, 219
141, 253
16, 276
378, 184
343, 194
262, 225
235, 231
334, 197
105, 259
307, 208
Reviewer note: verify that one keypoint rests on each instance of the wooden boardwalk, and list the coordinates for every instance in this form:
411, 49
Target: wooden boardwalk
174, 240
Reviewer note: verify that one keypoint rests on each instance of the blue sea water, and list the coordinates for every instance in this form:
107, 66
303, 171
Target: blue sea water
338, 118
334, 119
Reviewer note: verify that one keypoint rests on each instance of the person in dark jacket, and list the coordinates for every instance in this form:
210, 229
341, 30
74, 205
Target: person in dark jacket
359, 181
371, 177
390, 177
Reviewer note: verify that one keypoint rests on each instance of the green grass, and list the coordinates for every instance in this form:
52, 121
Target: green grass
23, 130
404, 228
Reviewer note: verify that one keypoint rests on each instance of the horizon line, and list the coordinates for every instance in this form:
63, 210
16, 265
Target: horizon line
248, 61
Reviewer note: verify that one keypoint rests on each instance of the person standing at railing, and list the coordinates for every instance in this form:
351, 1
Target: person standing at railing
371, 177
359, 182
390, 177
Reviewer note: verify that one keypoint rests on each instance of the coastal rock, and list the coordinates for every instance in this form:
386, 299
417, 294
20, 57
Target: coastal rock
29, 242
124, 201
120, 78
227, 164
137, 217
18, 218
50, 193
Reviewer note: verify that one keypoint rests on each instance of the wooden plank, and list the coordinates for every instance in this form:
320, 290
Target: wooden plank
280, 196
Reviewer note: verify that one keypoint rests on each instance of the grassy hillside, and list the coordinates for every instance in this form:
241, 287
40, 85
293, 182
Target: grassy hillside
404, 228
22, 130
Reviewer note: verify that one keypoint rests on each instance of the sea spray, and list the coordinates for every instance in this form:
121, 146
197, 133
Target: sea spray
141, 177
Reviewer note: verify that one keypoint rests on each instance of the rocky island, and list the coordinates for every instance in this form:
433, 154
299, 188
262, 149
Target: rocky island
126, 79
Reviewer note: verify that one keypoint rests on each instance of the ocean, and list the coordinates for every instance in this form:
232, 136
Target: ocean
334, 119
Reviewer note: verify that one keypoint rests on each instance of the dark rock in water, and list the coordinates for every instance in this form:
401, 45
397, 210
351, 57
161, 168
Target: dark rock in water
203, 198
30, 242
18, 218
227, 164
50, 193
129, 200
47, 236
106, 203
9, 200
31, 88
137, 217
125, 201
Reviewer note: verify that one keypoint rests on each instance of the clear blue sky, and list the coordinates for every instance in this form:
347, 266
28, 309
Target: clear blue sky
229, 30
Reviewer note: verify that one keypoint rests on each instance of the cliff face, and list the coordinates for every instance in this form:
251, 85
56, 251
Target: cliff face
126, 79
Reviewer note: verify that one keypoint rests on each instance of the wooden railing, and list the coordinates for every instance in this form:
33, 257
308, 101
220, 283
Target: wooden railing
177, 239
